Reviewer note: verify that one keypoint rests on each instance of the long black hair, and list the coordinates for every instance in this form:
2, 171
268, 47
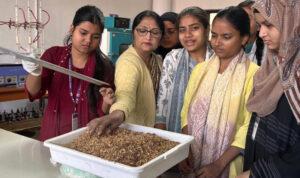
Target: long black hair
259, 42
102, 63
237, 17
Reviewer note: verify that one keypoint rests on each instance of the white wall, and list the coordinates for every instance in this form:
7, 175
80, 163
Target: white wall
179, 5
161, 7
62, 13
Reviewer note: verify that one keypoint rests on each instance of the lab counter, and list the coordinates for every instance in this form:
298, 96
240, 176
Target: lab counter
23, 157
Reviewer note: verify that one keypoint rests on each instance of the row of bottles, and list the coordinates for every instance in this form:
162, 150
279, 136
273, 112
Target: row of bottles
20, 114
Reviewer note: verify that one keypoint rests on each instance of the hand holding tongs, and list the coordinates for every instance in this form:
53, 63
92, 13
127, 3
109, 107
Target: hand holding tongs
54, 67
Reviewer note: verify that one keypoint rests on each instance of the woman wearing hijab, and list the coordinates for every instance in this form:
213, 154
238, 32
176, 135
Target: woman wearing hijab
170, 40
273, 138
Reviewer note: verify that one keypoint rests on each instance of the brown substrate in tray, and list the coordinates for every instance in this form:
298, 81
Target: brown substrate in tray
123, 146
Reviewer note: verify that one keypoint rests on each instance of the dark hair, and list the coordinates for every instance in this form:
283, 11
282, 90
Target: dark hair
147, 13
246, 3
102, 63
169, 16
259, 42
237, 17
87, 13
196, 12
255, 11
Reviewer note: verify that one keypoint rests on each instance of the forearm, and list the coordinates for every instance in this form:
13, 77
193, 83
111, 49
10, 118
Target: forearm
33, 84
107, 123
105, 108
227, 157
118, 115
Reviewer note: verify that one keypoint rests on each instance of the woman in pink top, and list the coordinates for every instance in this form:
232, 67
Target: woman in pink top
72, 103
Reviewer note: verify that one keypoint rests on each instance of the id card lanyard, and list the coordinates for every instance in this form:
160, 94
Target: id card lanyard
76, 99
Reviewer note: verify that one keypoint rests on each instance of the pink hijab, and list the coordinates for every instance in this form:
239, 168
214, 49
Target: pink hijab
281, 71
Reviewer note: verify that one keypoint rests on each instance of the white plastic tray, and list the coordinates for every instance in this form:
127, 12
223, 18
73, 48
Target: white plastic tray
107, 169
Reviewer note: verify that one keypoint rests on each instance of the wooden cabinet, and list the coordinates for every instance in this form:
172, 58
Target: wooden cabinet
12, 93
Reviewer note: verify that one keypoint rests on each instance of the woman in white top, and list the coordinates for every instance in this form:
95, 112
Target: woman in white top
193, 27
255, 48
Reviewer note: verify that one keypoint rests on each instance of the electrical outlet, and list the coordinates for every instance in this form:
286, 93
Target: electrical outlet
22, 78
1, 80
11, 79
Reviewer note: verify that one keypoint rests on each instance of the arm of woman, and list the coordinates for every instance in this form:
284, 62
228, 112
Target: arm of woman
106, 124
127, 77
164, 92
107, 92
33, 84
214, 169
36, 86
108, 98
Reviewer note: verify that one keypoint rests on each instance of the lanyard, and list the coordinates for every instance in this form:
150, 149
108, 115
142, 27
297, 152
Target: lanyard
75, 100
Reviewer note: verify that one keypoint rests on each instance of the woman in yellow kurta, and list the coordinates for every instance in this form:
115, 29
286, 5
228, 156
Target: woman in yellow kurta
214, 109
134, 88
136, 78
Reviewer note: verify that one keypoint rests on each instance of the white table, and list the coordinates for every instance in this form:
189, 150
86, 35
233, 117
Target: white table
23, 157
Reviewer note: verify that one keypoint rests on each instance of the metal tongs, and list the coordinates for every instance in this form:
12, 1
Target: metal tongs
54, 67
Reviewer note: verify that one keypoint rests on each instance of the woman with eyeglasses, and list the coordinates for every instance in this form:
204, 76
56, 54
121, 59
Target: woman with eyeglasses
137, 77
170, 40
193, 27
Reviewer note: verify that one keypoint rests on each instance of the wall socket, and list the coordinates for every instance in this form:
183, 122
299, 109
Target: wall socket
22, 78
11, 79
1, 80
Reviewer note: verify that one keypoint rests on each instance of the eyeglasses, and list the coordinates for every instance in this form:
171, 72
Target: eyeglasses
153, 32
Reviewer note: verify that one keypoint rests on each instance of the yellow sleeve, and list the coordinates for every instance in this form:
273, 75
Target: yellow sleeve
189, 93
127, 76
244, 115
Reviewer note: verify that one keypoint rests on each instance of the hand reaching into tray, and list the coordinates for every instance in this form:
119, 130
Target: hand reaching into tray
106, 124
